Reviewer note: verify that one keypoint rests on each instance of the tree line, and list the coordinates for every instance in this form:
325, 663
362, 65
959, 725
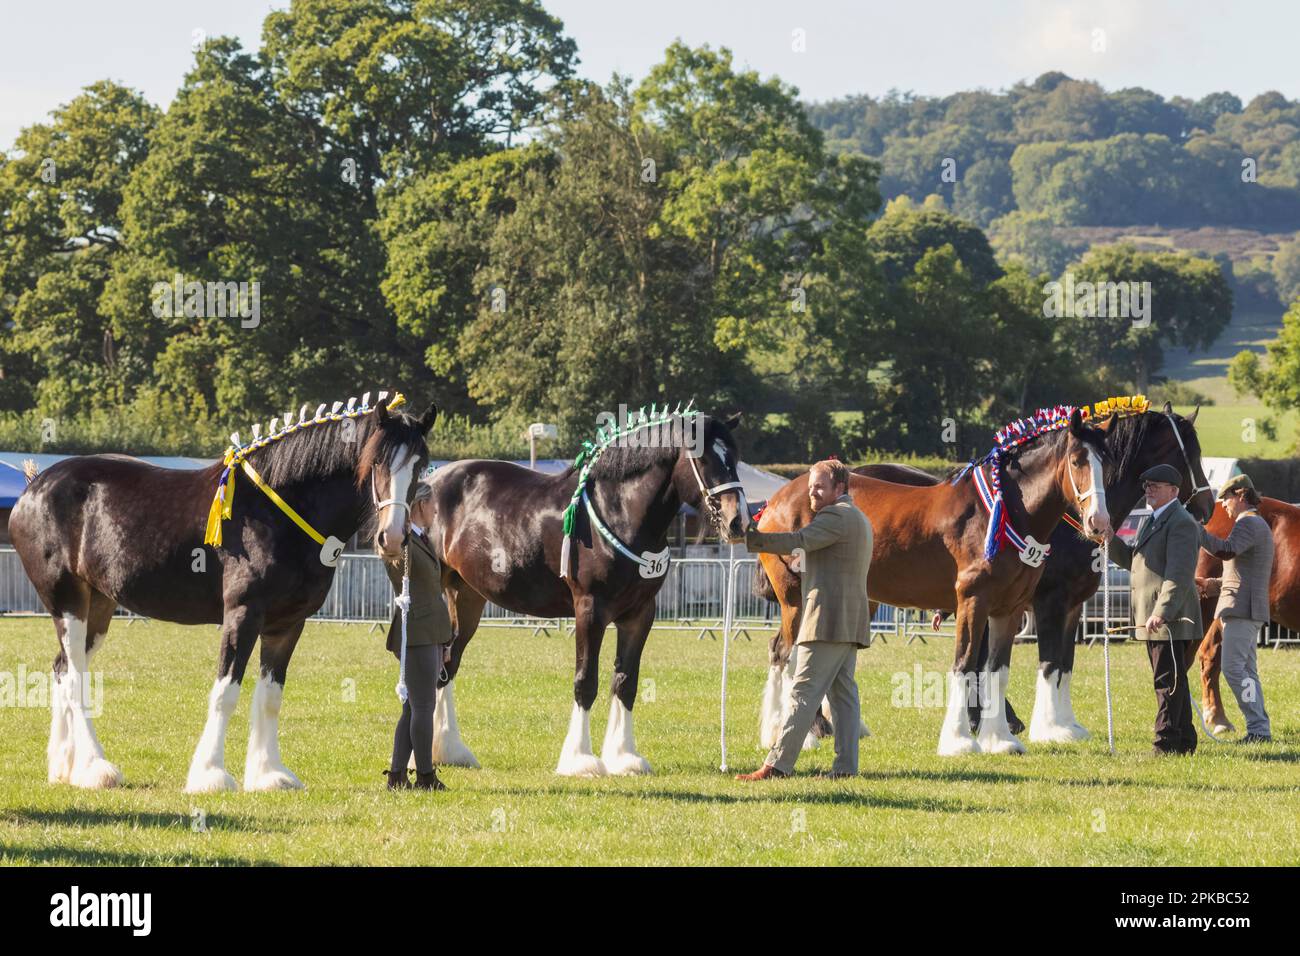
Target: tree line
426, 195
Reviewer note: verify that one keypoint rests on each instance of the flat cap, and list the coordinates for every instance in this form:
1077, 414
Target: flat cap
1166, 473
1236, 483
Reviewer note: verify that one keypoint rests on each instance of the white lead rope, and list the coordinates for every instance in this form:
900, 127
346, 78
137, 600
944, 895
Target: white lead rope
1105, 640
403, 602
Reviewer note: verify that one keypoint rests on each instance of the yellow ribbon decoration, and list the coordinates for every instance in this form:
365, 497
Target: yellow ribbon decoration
224, 500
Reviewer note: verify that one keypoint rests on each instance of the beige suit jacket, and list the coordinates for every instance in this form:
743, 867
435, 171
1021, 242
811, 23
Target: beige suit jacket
836, 550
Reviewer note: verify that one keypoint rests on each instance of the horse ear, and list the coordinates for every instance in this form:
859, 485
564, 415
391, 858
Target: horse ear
1169, 409
732, 423
1191, 419
428, 418
1076, 424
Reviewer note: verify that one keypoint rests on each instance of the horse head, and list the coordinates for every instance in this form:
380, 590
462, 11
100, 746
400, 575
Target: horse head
1135, 443
706, 476
1084, 459
393, 455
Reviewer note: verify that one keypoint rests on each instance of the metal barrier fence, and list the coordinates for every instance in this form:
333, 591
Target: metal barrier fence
692, 599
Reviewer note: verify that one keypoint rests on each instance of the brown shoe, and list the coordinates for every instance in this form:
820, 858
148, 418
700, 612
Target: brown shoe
766, 772
397, 779
429, 781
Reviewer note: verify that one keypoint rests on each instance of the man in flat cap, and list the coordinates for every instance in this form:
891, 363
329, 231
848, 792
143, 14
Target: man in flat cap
1166, 606
1247, 556
835, 621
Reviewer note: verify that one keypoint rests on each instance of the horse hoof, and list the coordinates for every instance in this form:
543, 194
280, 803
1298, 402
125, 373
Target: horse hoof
60, 768
1057, 733
1220, 729
625, 765
810, 742
99, 774
453, 753
210, 780
275, 779
955, 746
863, 730
580, 765
1001, 745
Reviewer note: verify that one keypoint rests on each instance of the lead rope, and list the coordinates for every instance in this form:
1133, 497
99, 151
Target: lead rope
1105, 639
403, 602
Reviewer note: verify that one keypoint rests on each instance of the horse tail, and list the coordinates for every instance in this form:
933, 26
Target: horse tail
762, 585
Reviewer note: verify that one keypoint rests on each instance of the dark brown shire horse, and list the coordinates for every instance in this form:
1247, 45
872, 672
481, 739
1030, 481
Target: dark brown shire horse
97, 531
930, 542
1070, 578
499, 533
1283, 596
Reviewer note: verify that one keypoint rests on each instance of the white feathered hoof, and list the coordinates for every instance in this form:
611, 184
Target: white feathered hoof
810, 742
581, 765
210, 780
99, 774
278, 778
625, 764
997, 743
1057, 733
954, 745
452, 753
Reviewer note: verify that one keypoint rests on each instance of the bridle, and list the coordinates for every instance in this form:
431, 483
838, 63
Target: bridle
1186, 458
710, 495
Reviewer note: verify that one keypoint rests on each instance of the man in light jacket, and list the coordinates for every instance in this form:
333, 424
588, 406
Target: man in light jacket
1243, 607
835, 620
1166, 605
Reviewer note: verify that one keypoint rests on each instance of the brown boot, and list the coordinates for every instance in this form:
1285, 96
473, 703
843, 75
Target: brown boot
397, 780
428, 781
766, 772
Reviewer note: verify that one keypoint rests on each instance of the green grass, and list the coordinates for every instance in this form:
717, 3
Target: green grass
1223, 431
1055, 805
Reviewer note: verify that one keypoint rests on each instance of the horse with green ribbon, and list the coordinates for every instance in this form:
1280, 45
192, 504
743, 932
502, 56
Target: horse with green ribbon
590, 543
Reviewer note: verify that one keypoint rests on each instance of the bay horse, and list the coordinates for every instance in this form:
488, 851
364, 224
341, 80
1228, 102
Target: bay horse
1070, 577
499, 532
1283, 596
97, 531
931, 542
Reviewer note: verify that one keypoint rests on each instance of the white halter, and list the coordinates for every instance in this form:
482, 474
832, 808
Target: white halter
1186, 460
1098, 487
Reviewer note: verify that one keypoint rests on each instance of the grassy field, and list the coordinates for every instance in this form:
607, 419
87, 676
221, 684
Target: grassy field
1055, 805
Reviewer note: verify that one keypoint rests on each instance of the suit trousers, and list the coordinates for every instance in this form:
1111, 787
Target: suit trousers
1240, 636
1175, 732
824, 670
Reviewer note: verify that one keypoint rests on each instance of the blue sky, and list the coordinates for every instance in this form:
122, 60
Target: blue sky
49, 50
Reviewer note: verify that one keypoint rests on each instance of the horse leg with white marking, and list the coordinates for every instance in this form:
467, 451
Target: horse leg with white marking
263, 768
466, 608
619, 751
78, 753
576, 756
208, 767
955, 736
1053, 719
995, 734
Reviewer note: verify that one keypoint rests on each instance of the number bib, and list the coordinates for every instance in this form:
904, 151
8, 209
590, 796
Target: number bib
655, 565
1035, 552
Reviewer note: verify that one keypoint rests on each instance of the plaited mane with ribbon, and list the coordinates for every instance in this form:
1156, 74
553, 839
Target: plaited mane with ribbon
1008, 439
651, 565
237, 457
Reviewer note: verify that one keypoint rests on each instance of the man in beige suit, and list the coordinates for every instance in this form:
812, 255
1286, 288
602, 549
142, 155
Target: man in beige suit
1166, 606
1247, 556
834, 622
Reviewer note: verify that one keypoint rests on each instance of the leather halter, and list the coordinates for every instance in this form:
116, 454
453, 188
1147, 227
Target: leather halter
708, 494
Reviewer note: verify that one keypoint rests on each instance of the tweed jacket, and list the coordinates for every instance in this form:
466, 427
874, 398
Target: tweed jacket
836, 548
1247, 555
428, 621
1162, 562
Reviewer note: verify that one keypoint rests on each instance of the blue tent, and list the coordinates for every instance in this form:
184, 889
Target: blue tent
12, 484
